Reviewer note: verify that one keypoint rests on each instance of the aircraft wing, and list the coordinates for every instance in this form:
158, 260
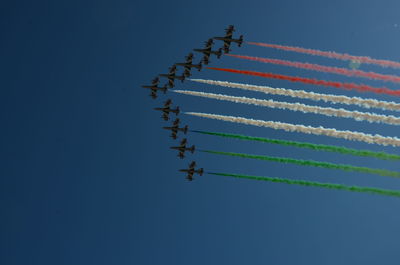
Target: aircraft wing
209, 43
165, 116
227, 45
229, 31
183, 142
176, 122
189, 58
173, 134
167, 103
155, 81
228, 35
206, 58
192, 165
172, 70
189, 176
171, 82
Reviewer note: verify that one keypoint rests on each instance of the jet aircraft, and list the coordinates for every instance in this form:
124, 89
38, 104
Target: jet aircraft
167, 109
154, 88
191, 170
175, 129
182, 148
227, 39
189, 63
207, 51
171, 76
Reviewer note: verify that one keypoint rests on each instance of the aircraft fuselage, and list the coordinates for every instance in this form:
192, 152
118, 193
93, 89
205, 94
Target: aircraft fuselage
203, 50
172, 77
189, 65
167, 110
228, 39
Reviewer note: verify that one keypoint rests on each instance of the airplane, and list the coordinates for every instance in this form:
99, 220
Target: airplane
154, 88
189, 63
175, 129
171, 76
207, 51
182, 148
227, 39
191, 170
167, 109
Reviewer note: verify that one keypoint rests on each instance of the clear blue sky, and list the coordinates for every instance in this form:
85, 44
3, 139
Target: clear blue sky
86, 173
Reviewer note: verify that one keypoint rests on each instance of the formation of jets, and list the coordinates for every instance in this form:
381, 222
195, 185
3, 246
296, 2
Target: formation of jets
207, 51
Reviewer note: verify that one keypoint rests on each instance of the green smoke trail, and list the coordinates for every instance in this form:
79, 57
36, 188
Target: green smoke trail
370, 190
317, 147
312, 163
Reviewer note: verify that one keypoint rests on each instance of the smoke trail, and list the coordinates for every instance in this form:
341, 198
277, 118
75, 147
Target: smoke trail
322, 68
334, 55
370, 190
332, 112
348, 135
366, 103
310, 81
317, 147
311, 163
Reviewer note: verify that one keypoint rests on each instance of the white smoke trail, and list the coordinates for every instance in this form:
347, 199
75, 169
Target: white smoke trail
348, 135
342, 113
365, 103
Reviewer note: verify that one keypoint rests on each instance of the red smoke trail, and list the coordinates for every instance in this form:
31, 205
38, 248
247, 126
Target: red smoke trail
347, 86
335, 55
321, 68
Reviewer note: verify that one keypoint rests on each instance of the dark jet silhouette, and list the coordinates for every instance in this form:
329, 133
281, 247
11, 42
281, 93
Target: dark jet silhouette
175, 129
182, 148
167, 109
191, 170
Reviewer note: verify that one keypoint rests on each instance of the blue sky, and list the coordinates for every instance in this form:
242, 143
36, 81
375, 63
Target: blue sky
86, 173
